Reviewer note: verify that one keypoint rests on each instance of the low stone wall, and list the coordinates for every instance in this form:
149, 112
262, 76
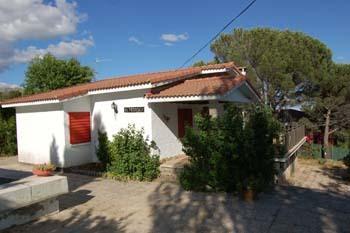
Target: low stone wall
30, 198
170, 173
171, 168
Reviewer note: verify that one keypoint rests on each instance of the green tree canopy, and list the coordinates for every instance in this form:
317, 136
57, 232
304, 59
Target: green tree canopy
49, 73
328, 105
203, 63
277, 60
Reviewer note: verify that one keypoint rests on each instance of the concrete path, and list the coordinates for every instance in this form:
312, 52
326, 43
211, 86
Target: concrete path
99, 205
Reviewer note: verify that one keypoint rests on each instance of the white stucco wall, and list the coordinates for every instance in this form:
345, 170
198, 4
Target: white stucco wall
165, 133
105, 119
79, 153
240, 95
40, 135
43, 130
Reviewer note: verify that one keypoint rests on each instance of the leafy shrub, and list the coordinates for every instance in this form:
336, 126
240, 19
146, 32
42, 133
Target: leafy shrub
103, 150
346, 160
257, 159
130, 156
45, 167
229, 153
8, 139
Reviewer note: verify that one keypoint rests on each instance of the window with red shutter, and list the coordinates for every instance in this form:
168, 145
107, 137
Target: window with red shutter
79, 127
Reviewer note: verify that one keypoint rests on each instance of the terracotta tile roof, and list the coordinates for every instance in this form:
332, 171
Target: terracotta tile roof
116, 82
216, 85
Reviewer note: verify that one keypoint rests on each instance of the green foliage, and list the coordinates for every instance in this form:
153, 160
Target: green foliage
8, 136
8, 139
227, 153
278, 59
10, 94
130, 156
346, 160
45, 167
258, 154
49, 73
103, 150
203, 63
330, 98
331, 93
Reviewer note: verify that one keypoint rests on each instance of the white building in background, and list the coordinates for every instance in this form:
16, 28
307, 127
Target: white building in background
61, 126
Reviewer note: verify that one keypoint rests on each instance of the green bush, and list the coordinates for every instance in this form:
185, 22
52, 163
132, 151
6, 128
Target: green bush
8, 139
130, 156
103, 150
257, 160
346, 160
230, 153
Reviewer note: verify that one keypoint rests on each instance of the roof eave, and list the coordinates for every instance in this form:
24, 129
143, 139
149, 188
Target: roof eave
30, 103
183, 98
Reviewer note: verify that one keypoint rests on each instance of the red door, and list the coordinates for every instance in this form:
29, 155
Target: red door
184, 119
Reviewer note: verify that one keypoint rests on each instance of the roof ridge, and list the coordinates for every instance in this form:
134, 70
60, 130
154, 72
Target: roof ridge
166, 71
118, 81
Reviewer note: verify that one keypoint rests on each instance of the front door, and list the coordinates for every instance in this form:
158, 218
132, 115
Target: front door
184, 119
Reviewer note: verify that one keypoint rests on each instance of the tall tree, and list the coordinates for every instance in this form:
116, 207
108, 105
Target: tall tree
328, 107
277, 60
49, 73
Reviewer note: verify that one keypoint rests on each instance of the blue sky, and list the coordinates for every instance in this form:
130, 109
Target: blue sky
125, 37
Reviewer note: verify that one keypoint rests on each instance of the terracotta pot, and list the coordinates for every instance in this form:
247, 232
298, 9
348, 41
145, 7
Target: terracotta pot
248, 195
42, 173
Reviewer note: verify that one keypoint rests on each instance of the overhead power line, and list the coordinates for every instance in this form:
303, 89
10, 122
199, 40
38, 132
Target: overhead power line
218, 34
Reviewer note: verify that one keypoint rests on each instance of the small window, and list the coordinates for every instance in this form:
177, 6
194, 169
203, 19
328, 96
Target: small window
79, 127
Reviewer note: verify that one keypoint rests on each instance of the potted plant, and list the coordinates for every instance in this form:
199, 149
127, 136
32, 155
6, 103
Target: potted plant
45, 169
248, 189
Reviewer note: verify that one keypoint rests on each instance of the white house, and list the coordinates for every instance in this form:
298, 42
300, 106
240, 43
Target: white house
61, 126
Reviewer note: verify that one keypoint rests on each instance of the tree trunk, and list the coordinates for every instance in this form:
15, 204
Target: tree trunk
326, 153
265, 90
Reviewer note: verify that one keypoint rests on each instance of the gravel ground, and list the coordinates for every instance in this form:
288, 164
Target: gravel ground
101, 205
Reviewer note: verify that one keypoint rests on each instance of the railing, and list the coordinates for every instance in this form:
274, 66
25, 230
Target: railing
293, 136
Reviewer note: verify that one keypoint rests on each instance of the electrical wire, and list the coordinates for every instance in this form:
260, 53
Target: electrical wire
218, 34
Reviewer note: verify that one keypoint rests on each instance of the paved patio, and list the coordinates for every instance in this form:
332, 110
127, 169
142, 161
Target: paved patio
100, 205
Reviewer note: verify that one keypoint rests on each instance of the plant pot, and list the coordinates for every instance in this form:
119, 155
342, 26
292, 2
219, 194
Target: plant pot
42, 172
248, 195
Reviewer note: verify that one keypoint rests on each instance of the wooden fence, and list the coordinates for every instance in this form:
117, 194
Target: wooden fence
293, 136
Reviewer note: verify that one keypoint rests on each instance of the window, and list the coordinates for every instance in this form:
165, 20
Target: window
79, 127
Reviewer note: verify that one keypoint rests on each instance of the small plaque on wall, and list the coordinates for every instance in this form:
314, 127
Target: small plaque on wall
134, 109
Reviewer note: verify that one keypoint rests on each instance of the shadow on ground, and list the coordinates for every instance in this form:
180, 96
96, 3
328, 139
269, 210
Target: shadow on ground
76, 196
285, 209
73, 222
339, 175
14, 174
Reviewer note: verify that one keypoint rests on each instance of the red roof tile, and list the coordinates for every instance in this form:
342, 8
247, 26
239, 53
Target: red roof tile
216, 85
148, 78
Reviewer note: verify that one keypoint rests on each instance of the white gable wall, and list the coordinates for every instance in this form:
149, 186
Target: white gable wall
40, 134
79, 153
238, 95
165, 126
105, 119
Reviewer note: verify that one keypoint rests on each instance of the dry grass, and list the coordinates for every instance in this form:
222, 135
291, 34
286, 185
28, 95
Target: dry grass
326, 163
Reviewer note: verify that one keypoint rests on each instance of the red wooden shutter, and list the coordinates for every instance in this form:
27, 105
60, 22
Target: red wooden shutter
79, 127
184, 119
